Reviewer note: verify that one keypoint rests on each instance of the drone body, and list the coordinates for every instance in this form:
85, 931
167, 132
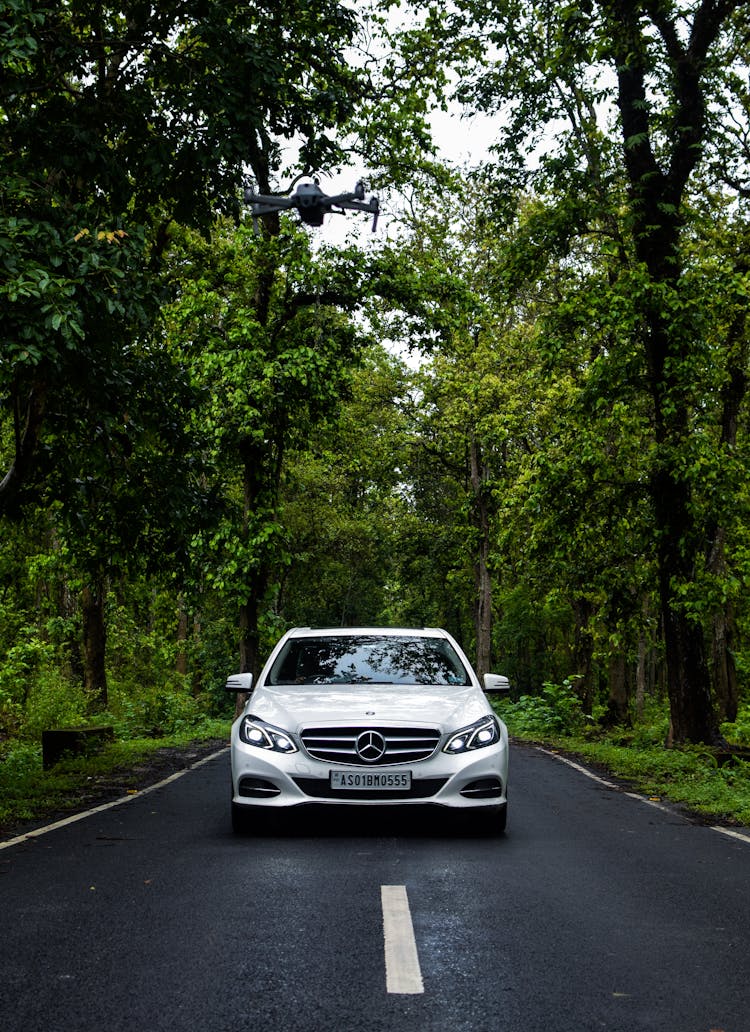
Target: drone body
312, 204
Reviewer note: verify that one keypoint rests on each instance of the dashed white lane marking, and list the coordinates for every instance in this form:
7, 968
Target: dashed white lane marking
738, 835
109, 806
402, 971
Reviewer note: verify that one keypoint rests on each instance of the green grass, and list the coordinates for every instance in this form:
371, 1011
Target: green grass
690, 777
27, 792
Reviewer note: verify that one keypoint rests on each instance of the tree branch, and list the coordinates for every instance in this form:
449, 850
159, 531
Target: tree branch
27, 440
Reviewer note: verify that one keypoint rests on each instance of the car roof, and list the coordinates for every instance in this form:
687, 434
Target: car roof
346, 632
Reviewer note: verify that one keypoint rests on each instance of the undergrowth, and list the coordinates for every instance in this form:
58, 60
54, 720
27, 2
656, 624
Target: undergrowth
693, 776
28, 792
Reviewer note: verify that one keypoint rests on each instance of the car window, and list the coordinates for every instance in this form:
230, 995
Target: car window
368, 659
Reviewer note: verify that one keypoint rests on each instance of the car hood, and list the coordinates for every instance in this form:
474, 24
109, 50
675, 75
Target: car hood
296, 706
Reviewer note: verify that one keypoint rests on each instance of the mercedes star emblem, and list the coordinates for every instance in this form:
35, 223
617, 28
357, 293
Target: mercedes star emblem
370, 746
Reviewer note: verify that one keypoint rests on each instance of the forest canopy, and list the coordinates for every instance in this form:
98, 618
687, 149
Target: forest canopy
518, 411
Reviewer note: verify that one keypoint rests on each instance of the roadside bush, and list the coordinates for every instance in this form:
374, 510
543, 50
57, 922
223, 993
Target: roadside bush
54, 701
154, 711
739, 732
17, 760
19, 665
20, 769
556, 711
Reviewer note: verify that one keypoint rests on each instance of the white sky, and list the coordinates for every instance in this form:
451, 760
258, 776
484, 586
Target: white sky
462, 142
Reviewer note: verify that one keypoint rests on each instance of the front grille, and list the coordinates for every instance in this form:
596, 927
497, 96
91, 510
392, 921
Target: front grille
339, 744
319, 788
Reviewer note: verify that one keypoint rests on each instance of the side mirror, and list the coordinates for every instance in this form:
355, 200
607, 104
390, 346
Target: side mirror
496, 683
240, 683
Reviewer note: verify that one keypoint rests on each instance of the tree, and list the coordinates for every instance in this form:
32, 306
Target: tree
268, 378
115, 124
344, 505
127, 505
668, 72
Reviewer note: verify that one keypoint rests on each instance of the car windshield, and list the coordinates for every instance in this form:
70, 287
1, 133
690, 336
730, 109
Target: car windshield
368, 659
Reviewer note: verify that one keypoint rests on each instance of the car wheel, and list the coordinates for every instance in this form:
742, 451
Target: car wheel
501, 820
252, 820
490, 824
240, 822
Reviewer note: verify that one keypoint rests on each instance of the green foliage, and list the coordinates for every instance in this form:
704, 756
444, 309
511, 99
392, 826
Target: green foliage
693, 776
146, 694
556, 711
738, 732
54, 701
139, 711
28, 792
20, 664
341, 506
202, 423
111, 127
608, 238
531, 636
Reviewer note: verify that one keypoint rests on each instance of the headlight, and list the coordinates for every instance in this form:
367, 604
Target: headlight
254, 731
483, 732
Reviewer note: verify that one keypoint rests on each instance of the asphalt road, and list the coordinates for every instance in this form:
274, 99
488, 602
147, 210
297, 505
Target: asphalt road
594, 911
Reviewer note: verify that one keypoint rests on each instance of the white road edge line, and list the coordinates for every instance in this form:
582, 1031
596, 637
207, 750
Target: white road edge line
402, 972
738, 835
109, 806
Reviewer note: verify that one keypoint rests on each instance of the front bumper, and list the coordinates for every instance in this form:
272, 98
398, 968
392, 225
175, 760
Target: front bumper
472, 781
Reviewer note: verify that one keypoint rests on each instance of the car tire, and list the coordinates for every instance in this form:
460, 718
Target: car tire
252, 820
501, 820
240, 822
492, 824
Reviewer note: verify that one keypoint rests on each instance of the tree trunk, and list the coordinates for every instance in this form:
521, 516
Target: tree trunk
724, 668
198, 674
657, 185
483, 618
181, 662
482, 578
250, 636
688, 679
640, 679
583, 653
70, 607
28, 423
617, 707
724, 629
94, 644
260, 484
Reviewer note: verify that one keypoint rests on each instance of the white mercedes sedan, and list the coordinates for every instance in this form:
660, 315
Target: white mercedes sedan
368, 717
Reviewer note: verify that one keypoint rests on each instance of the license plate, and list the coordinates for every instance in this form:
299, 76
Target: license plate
370, 780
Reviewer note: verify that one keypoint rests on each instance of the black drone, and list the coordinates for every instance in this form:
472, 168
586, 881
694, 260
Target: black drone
312, 204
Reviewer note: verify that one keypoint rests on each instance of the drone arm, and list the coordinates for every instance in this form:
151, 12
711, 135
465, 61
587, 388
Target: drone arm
264, 204
371, 205
265, 208
353, 200
349, 201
